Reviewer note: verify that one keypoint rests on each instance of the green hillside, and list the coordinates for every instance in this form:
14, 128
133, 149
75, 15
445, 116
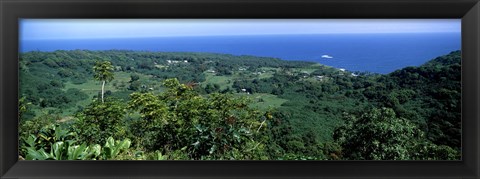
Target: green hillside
204, 106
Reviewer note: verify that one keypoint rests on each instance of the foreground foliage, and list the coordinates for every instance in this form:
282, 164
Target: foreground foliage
218, 126
56, 143
179, 122
380, 135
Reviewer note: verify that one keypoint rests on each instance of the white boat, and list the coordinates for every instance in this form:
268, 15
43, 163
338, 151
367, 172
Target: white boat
326, 56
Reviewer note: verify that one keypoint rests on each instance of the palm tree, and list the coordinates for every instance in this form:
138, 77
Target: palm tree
104, 73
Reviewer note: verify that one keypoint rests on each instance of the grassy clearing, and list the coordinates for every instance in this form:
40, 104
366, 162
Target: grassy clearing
261, 101
267, 72
223, 81
269, 69
264, 101
309, 69
92, 88
266, 75
161, 66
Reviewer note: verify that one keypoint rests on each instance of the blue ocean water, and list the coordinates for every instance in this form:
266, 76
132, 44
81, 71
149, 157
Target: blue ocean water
379, 53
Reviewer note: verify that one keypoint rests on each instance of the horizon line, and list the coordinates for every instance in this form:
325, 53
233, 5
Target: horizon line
230, 35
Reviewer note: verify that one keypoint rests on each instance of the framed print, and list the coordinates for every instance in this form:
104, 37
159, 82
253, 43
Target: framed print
234, 88
215, 88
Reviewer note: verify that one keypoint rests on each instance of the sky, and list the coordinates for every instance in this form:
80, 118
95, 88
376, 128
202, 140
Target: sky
41, 29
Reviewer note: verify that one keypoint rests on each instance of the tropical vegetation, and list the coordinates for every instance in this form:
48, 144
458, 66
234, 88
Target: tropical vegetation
139, 105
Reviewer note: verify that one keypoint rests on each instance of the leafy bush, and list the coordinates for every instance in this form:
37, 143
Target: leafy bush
98, 121
66, 150
191, 126
57, 143
380, 135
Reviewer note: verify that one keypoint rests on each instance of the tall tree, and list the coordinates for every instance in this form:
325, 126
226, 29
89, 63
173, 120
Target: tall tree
103, 72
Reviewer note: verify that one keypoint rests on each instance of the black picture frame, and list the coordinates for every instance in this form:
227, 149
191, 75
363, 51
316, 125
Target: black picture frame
12, 10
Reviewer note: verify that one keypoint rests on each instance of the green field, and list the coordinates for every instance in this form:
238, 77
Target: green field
223, 81
264, 101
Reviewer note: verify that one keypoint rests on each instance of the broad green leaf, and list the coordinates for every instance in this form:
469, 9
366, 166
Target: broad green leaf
75, 152
121, 145
96, 150
110, 142
159, 156
31, 140
37, 154
60, 133
57, 150
125, 144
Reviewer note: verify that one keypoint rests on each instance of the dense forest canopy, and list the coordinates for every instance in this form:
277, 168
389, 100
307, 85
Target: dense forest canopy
205, 106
